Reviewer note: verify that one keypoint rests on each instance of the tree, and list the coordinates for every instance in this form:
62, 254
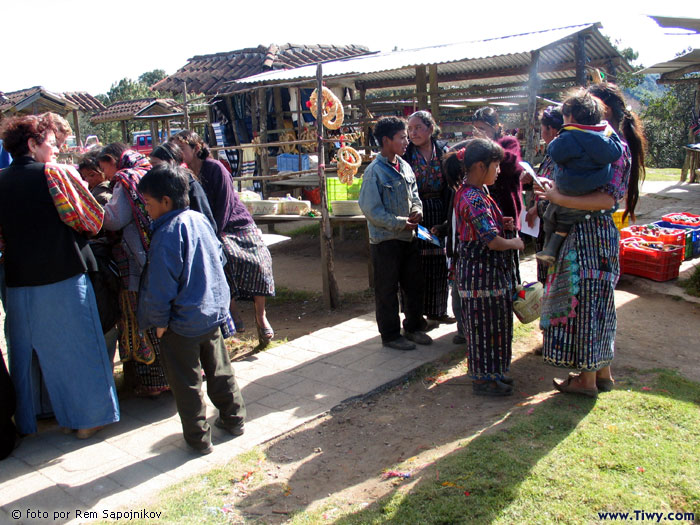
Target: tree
666, 121
151, 77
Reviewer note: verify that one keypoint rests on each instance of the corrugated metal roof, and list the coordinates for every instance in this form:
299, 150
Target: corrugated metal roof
687, 60
691, 24
490, 61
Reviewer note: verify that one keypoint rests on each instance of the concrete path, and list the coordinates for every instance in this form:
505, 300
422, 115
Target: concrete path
283, 387
125, 464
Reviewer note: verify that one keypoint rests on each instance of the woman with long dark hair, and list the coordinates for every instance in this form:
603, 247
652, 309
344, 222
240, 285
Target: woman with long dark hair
424, 154
249, 267
126, 213
578, 309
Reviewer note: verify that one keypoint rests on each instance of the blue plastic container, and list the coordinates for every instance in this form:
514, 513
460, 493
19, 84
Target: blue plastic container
290, 162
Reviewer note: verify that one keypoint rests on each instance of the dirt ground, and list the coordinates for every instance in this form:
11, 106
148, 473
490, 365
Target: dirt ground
338, 459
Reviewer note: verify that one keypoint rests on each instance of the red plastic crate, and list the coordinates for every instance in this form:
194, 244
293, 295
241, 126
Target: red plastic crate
685, 218
644, 261
675, 236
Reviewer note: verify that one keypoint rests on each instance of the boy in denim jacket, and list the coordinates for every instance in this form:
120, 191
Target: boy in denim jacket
185, 298
389, 199
583, 151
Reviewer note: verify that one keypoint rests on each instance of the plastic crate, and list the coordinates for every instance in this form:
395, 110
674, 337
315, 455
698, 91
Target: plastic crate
290, 162
684, 218
675, 236
617, 219
692, 237
654, 264
338, 191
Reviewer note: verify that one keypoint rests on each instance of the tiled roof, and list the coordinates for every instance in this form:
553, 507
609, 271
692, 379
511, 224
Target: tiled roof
209, 74
128, 109
85, 101
82, 100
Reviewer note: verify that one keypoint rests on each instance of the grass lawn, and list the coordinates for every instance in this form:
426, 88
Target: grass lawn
663, 174
560, 459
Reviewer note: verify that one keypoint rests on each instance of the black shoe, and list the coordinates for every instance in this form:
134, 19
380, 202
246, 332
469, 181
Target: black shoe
459, 339
492, 388
420, 338
442, 319
507, 380
400, 344
203, 451
235, 430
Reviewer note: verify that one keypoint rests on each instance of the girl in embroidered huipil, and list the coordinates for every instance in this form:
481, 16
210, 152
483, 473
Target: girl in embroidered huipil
485, 271
578, 308
126, 213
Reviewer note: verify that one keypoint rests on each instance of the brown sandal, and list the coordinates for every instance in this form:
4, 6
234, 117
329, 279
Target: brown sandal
565, 386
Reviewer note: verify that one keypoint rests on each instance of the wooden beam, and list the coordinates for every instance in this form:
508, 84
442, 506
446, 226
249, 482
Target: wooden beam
76, 125
277, 97
493, 73
262, 106
421, 88
434, 91
125, 136
580, 59
532, 107
363, 114
678, 73
330, 286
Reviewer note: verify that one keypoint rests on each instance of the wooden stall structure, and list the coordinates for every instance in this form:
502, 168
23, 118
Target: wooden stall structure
129, 110
683, 69
36, 100
516, 74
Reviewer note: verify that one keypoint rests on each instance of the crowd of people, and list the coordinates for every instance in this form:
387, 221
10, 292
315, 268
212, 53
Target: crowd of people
471, 196
151, 253
155, 253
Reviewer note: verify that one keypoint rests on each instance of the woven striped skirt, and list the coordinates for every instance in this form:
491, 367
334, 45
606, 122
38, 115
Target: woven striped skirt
433, 262
584, 338
485, 283
139, 352
249, 264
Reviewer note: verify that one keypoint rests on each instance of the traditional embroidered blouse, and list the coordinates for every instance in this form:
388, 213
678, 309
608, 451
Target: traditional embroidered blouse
428, 173
622, 168
479, 218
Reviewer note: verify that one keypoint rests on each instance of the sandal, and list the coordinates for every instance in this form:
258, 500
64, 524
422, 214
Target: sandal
85, 433
565, 386
265, 333
492, 388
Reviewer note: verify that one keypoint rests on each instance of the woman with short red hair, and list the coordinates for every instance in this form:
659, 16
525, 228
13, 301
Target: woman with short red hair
45, 215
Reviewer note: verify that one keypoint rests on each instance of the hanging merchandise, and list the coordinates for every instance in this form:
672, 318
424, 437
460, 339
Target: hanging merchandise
289, 136
308, 134
349, 161
331, 106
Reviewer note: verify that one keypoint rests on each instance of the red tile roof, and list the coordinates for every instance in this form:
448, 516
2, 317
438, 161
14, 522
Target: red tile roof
82, 100
128, 109
210, 74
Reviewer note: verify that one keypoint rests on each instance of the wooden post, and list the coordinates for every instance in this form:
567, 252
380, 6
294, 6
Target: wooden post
154, 133
184, 104
364, 114
262, 105
688, 165
277, 96
580, 54
330, 286
434, 94
421, 88
125, 137
533, 83
76, 125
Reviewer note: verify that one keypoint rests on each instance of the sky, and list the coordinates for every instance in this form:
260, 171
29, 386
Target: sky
79, 45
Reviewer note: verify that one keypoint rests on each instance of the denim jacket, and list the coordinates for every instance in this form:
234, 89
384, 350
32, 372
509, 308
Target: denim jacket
183, 285
387, 198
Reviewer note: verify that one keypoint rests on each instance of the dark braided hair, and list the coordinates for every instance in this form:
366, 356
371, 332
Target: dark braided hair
633, 132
